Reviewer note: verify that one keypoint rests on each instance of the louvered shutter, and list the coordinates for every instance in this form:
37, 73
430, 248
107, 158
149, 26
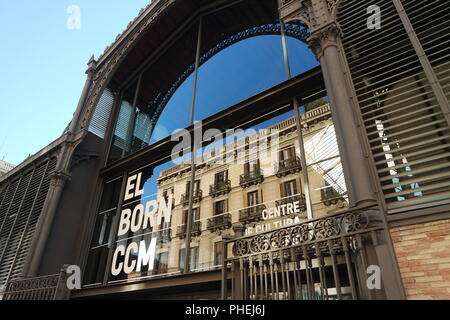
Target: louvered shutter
20, 209
102, 112
408, 134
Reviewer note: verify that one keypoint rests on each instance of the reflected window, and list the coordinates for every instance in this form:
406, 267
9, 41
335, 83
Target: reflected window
253, 201
290, 188
218, 253
219, 207
193, 258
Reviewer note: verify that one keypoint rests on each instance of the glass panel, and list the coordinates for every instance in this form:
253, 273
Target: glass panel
124, 120
148, 117
325, 174
166, 90
247, 56
99, 249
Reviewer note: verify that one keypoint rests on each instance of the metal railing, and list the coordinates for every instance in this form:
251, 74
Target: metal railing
164, 236
320, 259
251, 214
288, 166
251, 178
290, 200
220, 188
51, 287
330, 196
197, 197
196, 230
220, 222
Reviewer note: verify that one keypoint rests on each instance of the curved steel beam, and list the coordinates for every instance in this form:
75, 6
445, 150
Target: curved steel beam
296, 30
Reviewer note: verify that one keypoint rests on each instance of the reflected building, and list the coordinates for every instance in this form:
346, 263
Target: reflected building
337, 161
5, 167
236, 185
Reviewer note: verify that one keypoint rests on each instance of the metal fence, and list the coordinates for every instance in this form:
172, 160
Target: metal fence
321, 259
51, 287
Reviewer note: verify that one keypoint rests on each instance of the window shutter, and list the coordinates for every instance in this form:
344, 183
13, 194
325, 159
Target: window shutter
407, 131
282, 190
20, 209
102, 112
299, 186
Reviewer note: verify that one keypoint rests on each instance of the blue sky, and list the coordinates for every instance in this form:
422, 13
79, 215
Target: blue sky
43, 64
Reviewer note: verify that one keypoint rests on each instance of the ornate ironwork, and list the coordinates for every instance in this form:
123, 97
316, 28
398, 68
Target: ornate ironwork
196, 197
330, 196
304, 233
51, 287
252, 214
195, 231
251, 178
220, 188
220, 222
291, 200
288, 166
331, 5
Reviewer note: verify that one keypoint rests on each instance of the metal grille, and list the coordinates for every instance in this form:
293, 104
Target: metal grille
52, 287
19, 212
431, 21
321, 259
101, 115
407, 131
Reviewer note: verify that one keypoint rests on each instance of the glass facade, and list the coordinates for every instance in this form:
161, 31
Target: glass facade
261, 172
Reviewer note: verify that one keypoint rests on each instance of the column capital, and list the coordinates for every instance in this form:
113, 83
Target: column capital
323, 38
58, 178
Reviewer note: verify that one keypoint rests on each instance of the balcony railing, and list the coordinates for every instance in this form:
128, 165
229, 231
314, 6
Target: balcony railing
288, 166
290, 200
196, 230
51, 287
338, 242
251, 178
164, 236
196, 197
220, 188
330, 196
220, 222
252, 214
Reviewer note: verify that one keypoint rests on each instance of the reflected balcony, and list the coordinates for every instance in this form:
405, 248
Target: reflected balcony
291, 200
164, 236
252, 214
330, 196
251, 178
196, 230
196, 197
221, 222
220, 188
288, 166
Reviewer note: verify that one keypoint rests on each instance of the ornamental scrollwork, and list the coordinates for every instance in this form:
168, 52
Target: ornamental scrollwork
48, 282
315, 230
331, 5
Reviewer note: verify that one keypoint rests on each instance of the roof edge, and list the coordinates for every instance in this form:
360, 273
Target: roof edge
143, 13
